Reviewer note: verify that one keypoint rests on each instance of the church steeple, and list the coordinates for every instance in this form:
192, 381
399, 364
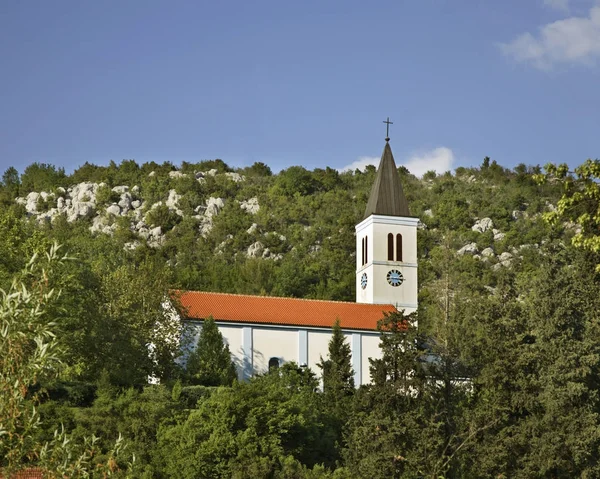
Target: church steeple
387, 197
386, 242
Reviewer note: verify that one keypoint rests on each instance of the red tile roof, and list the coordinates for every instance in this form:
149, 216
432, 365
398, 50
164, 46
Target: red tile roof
31, 473
280, 311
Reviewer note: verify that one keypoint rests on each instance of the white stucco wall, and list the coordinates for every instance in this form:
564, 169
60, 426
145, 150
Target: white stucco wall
273, 342
318, 342
370, 349
232, 335
253, 345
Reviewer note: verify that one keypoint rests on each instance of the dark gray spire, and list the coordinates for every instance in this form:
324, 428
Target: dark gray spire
387, 197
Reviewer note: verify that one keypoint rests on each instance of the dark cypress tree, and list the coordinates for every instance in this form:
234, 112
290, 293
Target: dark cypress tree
210, 364
338, 375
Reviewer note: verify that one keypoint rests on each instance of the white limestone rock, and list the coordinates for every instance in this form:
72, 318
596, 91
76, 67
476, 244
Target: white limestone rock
120, 189
505, 260
253, 229
79, 210
499, 236
155, 237
212, 172
205, 227
84, 193
235, 177
428, 212
47, 216
113, 209
173, 199
132, 245
176, 174
470, 248
483, 225
214, 206
135, 204
125, 202
251, 205
101, 224
152, 173
60, 203
488, 253
31, 202
255, 250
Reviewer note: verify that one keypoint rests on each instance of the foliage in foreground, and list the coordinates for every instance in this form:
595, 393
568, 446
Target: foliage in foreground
500, 379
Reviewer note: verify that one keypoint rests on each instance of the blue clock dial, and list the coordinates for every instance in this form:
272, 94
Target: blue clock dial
394, 277
363, 281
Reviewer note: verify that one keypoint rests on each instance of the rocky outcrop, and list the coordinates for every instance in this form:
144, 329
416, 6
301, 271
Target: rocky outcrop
504, 261
470, 248
498, 235
235, 177
483, 225
206, 213
255, 250
251, 205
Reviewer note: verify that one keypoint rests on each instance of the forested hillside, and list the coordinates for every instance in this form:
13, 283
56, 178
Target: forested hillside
499, 379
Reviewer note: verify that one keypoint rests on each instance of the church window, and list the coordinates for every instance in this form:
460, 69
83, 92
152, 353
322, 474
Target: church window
363, 253
390, 247
273, 364
398, 247
366, 249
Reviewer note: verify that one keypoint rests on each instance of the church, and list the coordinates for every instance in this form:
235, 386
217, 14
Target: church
264, 332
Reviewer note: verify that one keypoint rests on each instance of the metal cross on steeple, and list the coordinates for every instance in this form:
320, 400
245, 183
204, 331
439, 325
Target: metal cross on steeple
387, 131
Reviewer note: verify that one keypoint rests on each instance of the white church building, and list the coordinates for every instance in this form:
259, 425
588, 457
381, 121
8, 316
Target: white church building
264, 331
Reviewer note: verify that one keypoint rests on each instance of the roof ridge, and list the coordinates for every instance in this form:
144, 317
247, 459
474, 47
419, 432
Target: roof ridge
282, 297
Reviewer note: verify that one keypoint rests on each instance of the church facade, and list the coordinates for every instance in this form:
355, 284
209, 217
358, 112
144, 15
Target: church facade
264, 332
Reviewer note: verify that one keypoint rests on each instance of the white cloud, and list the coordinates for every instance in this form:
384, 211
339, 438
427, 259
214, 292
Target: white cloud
558, 4
439, 159
572, 40
361, 163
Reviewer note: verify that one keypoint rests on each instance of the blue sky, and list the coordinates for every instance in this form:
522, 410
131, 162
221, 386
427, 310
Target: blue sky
300, 83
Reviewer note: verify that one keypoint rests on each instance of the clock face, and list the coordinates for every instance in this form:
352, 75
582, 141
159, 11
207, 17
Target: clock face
394, 277
363, 281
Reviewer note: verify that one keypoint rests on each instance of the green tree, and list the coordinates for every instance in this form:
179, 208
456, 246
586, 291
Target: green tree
41, 177
210, 363
259, 428
338, 375
30, 353
538, 368
580, 201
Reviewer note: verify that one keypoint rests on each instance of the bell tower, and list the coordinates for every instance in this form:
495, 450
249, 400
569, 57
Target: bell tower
386, 242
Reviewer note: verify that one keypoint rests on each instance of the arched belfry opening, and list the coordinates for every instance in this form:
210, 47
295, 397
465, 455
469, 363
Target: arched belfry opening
398, 247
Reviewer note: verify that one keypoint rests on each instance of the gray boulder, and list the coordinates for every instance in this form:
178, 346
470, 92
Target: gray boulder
251, 205
255, 250
470, 248
483, 225
113, 210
